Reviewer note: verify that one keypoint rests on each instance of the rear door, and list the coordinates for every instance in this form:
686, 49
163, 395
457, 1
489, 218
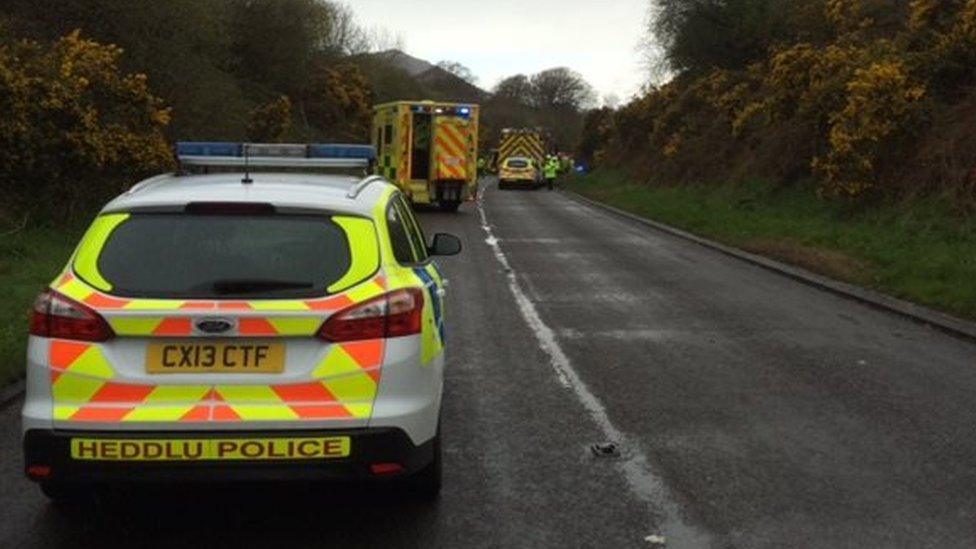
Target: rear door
452, 155
217, 316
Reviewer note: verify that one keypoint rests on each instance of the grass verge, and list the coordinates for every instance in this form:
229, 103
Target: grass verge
29, 260
918, 251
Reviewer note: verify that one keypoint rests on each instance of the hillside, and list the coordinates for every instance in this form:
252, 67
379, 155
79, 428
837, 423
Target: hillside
426, 80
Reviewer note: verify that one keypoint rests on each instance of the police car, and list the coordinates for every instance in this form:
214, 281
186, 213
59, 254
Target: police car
517, 171
243, 319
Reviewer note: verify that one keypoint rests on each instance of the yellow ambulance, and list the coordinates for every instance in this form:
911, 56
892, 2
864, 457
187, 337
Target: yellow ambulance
429, 150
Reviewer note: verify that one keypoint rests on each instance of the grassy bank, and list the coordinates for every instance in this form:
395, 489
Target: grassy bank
29, 259
920, 252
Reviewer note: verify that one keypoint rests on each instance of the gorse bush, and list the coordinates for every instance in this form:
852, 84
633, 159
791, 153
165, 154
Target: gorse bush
339, 99
842, 93
270, 122
87, 113
880, 99
73, 126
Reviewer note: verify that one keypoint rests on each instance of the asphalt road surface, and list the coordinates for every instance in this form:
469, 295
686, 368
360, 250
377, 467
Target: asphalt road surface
749, 411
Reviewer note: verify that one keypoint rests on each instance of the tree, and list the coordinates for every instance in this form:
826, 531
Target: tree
344, 35
184, 47
700, 35
271, 121
213, 60
74, 128
597, 129
275, 41
561, 88
517, 89
552, 99
383, 39
459, 70
339, 101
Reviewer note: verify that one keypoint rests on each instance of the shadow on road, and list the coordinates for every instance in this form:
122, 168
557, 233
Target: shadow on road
259, 515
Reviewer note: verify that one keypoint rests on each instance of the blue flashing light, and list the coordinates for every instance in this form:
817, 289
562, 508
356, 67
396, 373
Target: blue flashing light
187, 149
462, 112
359, 152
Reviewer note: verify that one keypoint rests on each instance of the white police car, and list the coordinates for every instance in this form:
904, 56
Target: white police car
242, 325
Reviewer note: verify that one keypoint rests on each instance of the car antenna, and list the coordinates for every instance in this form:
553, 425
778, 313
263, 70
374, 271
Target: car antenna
247, 165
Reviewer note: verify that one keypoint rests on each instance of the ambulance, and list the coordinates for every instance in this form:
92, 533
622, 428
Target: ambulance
429, 150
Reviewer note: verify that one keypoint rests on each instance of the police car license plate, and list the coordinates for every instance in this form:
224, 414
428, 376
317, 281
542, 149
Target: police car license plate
215, 358
230, 449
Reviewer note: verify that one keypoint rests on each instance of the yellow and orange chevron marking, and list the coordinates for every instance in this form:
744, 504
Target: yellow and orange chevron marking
170, 318
451, 152
522, 144
403, 173
85, 387
343, 386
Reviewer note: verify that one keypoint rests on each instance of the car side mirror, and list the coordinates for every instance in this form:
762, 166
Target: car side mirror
444, 245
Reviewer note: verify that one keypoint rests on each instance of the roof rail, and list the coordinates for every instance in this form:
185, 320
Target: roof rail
358, 188
273, 155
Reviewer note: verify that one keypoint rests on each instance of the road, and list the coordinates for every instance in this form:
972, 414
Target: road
750, 411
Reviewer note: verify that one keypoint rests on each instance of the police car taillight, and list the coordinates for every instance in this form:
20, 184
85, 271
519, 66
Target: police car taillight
57, 316
396, 314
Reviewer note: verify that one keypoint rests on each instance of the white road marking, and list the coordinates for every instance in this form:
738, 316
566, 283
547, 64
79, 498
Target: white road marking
628, 240
541, 240
646, 485
648, 334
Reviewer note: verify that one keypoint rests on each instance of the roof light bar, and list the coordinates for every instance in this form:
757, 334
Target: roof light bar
463, 111
274, 155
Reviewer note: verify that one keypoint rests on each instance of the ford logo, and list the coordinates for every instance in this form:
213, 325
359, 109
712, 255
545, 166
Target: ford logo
214, 325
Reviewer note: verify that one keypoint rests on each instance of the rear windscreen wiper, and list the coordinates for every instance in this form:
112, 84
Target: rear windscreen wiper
250, 286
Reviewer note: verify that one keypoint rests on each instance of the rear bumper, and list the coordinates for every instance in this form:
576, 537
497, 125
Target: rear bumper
52, 449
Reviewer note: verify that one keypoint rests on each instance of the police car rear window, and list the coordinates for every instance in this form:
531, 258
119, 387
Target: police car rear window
517, 163
224, 256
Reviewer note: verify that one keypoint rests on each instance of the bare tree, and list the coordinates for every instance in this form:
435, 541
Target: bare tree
383, 39
344, 35
553, 99
459, 70
517, 89
562, 88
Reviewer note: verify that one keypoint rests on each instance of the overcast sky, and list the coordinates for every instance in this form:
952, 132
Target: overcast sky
499, 38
